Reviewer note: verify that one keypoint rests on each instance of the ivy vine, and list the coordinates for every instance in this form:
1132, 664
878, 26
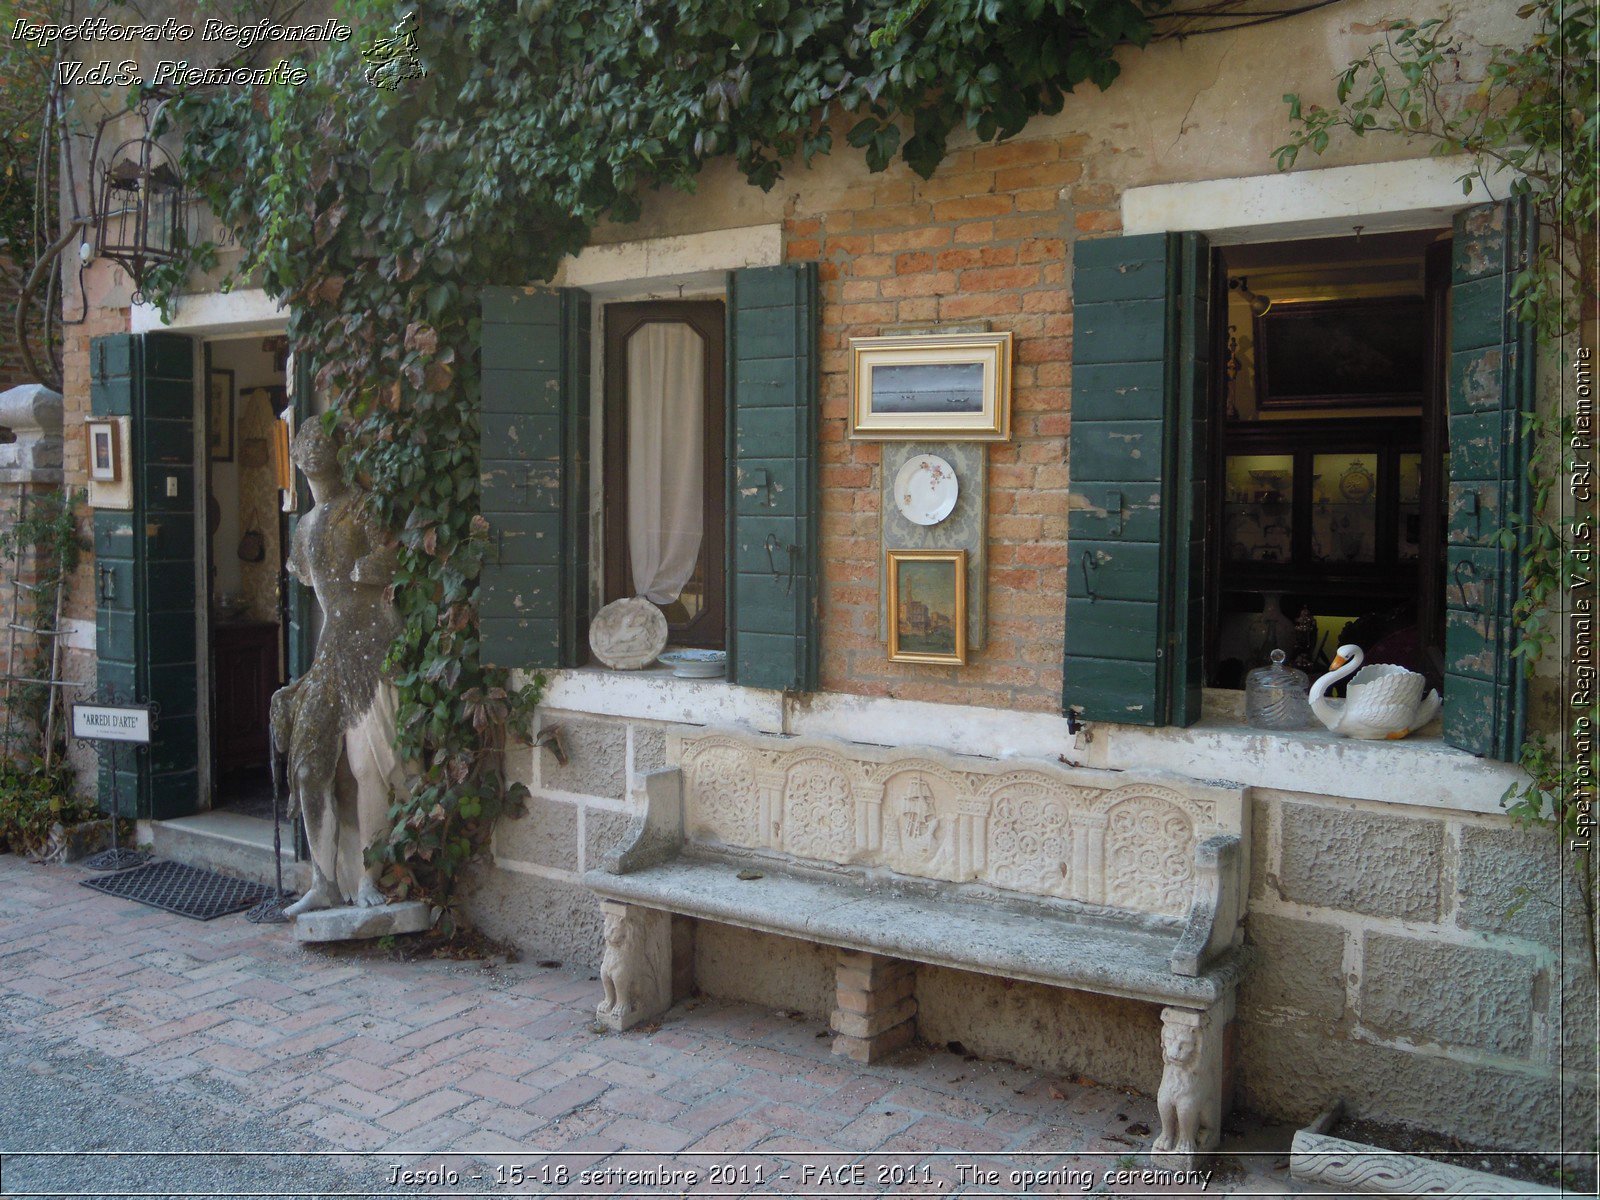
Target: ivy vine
36, 792
378, 214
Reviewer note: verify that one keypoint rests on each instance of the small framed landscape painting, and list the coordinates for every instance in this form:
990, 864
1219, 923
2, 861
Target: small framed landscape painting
105, 451
952, 386
928, 606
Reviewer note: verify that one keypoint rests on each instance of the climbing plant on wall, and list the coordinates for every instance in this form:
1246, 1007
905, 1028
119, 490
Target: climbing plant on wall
1528, 125
377, 214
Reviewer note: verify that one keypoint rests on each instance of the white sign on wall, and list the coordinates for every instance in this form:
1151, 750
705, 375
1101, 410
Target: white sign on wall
112, 722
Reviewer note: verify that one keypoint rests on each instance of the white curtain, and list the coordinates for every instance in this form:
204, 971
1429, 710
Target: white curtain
666, 467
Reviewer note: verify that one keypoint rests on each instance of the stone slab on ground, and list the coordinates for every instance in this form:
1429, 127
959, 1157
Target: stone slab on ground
350, 924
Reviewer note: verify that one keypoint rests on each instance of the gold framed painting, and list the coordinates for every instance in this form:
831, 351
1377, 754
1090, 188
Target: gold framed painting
954, 386
103, 446
928, 606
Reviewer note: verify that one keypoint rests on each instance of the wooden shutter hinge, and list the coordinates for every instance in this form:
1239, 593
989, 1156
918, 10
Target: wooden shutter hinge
765, 484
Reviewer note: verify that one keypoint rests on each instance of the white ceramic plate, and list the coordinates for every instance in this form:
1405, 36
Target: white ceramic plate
925, 490
696, 664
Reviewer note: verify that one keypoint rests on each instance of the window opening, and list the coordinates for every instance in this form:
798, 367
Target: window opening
664, 463
1328, 471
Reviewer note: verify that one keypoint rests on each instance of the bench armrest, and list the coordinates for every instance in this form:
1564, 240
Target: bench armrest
656, 834
1214, 912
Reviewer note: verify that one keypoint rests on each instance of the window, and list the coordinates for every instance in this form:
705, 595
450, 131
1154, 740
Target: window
1149, 467
534, 447
664, 469
1327, 476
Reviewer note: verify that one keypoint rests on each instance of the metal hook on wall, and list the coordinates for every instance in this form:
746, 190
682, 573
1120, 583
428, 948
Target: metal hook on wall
1088, 564
1466, 565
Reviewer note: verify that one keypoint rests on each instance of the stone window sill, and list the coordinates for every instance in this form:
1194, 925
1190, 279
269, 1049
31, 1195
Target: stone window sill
1419, 771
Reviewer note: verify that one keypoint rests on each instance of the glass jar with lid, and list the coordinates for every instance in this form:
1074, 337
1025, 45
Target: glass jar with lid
1275, 697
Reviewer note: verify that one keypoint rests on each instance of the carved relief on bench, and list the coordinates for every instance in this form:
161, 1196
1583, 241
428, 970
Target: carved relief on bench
1070, 833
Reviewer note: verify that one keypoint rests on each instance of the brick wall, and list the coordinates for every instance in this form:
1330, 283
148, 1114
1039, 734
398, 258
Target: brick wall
74, 408
985, 240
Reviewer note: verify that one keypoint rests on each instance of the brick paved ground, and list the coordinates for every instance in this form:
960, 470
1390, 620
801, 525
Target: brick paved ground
358, 1052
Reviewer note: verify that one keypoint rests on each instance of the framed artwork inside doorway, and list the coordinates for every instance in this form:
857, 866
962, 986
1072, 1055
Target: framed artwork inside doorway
219, 413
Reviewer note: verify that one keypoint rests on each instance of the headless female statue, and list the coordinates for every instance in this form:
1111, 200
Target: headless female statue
341, 712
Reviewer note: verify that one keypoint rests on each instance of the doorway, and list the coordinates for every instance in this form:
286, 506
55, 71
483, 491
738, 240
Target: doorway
242, 394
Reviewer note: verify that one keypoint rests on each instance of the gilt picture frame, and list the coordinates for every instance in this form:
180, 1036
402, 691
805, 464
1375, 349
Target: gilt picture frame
927, 606
954, 387
103, 449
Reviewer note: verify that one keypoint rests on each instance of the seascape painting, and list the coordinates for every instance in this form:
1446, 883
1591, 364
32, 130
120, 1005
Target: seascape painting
950, 386
927, 388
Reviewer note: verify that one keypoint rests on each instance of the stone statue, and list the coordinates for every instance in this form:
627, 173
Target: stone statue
336, 723
636, 965
1180, 1099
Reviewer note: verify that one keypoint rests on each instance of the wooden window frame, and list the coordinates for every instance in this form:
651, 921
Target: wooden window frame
708, 630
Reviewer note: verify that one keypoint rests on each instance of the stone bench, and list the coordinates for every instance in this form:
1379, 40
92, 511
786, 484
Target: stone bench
1064, 876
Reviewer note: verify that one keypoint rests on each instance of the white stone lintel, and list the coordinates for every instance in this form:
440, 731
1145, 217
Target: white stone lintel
1414, 193
691, 259
249, 310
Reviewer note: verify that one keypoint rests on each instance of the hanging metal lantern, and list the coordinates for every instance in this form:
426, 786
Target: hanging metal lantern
140, 210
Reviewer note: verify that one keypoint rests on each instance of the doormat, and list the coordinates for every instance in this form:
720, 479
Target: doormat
187, 891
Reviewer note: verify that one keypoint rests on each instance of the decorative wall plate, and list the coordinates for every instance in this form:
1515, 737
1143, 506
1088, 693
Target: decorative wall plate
628, 634
925, 490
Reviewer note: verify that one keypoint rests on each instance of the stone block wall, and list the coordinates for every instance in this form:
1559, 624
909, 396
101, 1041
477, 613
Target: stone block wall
1410, 962
530, 894
1417, 965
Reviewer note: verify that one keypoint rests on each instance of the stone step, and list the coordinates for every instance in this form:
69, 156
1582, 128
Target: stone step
230, 844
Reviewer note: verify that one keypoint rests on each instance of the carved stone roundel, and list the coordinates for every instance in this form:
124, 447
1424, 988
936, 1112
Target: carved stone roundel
722, 802
1030, 842
1149, 856
628, 634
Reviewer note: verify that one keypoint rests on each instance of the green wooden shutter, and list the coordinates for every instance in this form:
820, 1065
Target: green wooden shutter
534, 460
772, 485
1136, 526
1490, 388
145, 567
299, 625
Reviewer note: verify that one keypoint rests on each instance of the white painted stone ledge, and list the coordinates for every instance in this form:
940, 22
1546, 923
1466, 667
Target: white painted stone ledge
1420, 771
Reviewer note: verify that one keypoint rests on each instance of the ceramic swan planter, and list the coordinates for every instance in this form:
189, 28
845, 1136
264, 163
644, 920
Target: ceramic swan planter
1382, 701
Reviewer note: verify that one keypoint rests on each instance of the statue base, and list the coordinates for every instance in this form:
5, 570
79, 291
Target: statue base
351, 924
